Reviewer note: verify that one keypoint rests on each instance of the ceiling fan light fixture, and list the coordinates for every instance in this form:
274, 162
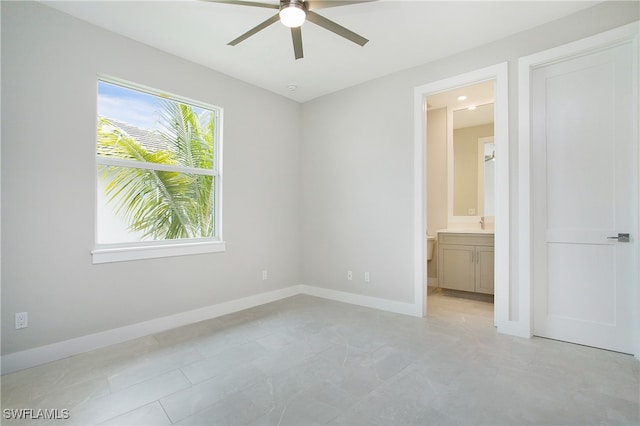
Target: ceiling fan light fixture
292, 14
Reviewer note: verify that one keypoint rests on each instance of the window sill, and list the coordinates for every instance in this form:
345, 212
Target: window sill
126, 253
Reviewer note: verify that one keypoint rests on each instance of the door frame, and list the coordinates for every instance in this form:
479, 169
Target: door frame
498, 73
526, 65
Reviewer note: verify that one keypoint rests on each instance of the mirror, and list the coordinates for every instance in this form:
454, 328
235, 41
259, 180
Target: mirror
486, 175
473, 161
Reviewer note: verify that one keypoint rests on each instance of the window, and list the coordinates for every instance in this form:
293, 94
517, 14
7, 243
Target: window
158, 174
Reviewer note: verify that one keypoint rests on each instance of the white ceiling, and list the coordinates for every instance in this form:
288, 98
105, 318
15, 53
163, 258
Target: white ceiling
402, 34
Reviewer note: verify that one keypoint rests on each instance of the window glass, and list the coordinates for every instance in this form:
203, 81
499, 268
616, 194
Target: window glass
157, 167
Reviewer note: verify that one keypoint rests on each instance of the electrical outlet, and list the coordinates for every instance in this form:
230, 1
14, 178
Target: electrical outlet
350, 275
367, 277
265, 275
22, 320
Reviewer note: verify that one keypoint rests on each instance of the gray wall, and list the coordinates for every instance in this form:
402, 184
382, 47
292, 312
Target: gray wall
437, 177
307, 202
357, 162
49, 66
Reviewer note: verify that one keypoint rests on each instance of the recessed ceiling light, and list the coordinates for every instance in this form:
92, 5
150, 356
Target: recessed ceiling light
462, 98
471, 108
292, 87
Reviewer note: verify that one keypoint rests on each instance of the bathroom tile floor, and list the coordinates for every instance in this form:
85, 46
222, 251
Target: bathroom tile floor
305, 360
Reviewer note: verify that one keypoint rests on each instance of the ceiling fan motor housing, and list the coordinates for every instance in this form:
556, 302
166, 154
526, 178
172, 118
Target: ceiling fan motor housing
293, 3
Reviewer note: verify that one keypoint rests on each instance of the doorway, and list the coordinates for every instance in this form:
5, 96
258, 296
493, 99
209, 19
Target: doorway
460, 193
498, 75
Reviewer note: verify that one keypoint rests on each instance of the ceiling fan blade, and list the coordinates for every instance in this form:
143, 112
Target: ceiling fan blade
323, 4
335, 28
246, 3
296, 36
252, 31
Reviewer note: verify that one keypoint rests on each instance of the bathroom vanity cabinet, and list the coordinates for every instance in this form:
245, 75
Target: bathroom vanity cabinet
465, 261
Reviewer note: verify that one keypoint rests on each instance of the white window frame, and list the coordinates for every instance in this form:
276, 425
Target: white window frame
118, 252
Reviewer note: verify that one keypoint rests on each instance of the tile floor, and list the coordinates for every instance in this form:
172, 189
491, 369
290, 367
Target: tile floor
305, 360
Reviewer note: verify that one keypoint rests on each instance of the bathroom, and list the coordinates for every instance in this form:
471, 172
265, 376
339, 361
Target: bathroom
460, 195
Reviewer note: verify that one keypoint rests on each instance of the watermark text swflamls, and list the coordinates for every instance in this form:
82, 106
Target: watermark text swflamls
36, 414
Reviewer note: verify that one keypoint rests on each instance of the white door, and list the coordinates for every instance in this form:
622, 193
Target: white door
584, 185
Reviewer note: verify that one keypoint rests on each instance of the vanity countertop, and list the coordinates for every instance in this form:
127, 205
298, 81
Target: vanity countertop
466, 231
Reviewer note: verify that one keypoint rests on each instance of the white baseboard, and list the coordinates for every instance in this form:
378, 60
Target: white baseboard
514, 328
361, 300
55, 351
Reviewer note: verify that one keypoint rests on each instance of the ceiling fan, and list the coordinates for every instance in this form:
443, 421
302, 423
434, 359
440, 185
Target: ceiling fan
293, 13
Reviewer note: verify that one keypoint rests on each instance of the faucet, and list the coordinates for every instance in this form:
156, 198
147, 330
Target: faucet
481, 222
